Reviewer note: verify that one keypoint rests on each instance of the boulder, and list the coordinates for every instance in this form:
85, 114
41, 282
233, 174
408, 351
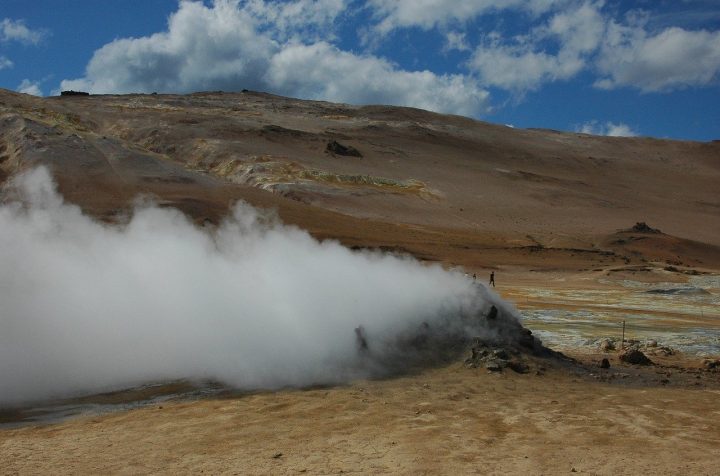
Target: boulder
336, 148
642, 227
635, 357
711, 364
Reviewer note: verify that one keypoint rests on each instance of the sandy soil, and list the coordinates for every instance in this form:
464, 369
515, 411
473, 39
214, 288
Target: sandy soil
451, 420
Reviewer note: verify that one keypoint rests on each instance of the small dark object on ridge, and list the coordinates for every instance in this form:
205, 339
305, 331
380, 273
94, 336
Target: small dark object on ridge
74, 93
642, 227
605, 364
334, 147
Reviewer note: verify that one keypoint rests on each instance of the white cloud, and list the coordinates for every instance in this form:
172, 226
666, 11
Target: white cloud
322, 71
16, 30
230, 46
203, 48
30, 87
428, 14
526, 62
671, 59
5, 63
455, 40
563, 39
299, 17
607, 129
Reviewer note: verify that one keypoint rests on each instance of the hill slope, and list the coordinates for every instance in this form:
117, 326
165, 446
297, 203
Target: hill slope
441, 187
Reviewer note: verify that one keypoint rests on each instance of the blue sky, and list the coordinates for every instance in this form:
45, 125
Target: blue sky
644, 67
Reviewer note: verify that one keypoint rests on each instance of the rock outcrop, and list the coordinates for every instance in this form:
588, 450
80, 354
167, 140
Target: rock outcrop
336, 148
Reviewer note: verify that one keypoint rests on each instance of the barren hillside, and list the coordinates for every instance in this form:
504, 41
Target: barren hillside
440, 187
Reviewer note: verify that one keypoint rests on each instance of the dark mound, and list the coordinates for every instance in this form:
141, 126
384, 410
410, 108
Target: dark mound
642, 227
337, 148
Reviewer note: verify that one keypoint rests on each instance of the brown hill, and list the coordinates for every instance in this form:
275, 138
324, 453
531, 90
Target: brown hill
441, 187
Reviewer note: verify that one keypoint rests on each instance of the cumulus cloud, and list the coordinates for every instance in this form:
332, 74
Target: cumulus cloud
90, 307
16, 30
322, 71
526, 62
564, 38
29, 87
674, 58
607, 129
232, 45
203, 48
299, 18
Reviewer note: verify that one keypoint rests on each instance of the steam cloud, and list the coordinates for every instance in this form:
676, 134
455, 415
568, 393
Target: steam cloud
87, 307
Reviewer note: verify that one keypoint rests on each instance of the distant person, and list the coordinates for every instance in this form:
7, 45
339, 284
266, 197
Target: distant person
492, 278
474, 277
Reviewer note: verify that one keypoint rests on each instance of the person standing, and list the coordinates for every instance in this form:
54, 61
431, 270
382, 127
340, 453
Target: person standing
492, 278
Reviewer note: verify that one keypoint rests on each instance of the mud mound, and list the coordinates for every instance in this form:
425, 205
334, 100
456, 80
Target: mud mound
493, 336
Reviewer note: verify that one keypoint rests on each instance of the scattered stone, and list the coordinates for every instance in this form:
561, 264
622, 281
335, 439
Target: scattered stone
277, 455
635, 357
519, 366
711, 364
605, 364
500, 354
642, 227
334, 147
493, 366
666, 351
652, 343
606, 345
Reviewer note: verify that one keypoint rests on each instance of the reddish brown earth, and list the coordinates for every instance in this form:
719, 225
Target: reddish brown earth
546, 210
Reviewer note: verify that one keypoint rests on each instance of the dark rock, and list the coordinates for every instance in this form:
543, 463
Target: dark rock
493, 313
634, 356
711, 364
519, 366
74, 93
642, 227
605, 364
500, 354
334, 147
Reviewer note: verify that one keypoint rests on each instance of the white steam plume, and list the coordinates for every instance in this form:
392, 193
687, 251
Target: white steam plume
87, 307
